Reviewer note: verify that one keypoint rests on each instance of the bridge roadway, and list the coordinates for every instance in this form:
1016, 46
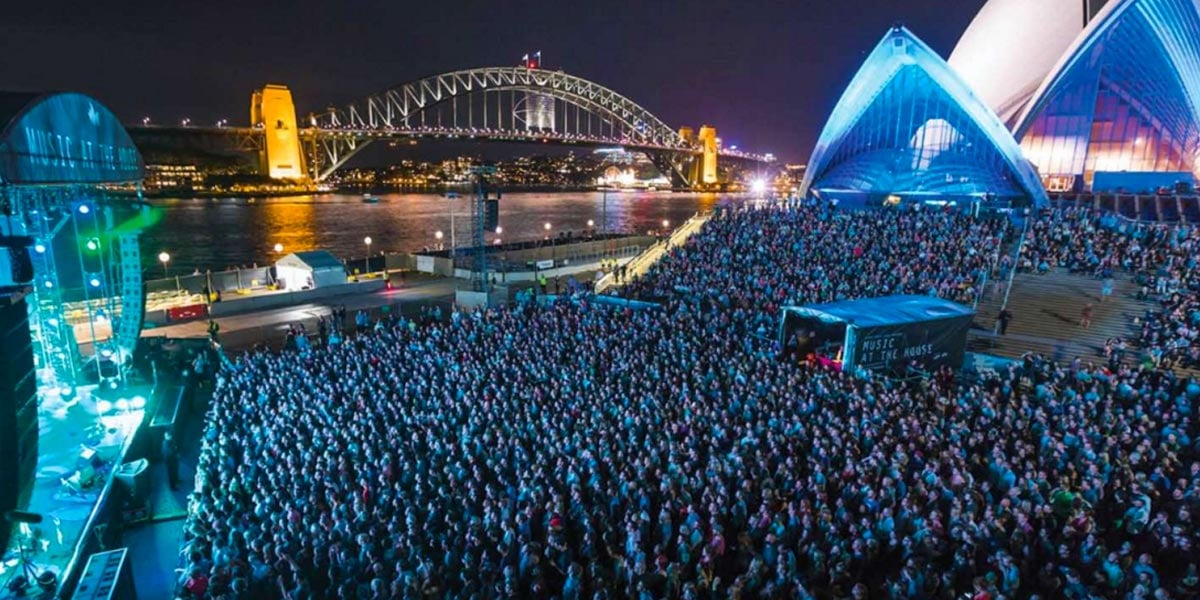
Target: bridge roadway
251, 138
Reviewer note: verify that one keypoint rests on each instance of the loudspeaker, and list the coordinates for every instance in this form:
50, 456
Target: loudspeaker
491, 214
16, 266
127, 328
18, 408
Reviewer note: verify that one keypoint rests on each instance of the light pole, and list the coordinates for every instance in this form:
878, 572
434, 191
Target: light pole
604, 214
453, 244
164, 258
367, 260
553, 250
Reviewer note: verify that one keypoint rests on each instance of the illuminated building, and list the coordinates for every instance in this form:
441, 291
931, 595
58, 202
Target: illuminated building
1010, 47
164, 178
908, 125
1104, 97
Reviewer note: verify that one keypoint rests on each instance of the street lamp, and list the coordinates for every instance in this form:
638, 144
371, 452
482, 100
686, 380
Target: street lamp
438, 235
145, 121
367, 260
164, 258
666, 223
185, 122
278, 248
591, 223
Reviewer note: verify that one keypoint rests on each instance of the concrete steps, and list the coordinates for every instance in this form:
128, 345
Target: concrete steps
1046, 311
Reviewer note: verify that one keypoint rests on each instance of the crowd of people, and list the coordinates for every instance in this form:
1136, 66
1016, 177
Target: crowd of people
575, 450
760, 260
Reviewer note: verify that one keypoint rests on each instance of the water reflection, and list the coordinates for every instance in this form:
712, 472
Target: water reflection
215, 233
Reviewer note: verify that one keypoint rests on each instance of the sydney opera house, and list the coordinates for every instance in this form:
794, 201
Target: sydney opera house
1039, 97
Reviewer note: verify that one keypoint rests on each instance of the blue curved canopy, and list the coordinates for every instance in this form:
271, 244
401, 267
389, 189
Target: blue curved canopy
908, 124
63, 139
883, 311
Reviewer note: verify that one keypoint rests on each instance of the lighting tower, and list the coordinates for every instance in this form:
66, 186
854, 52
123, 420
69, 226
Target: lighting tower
484, 214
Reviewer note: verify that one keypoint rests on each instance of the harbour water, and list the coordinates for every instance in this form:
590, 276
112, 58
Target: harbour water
216, 233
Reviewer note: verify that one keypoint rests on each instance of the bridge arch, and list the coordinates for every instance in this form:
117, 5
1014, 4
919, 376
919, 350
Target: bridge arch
340, 132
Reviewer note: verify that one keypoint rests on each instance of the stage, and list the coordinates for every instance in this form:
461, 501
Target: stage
75, 510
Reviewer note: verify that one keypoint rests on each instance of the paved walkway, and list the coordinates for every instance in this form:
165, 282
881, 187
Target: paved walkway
641, 264
245, 330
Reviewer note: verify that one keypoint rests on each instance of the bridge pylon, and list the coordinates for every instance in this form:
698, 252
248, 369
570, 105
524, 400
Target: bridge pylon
281, 156
700, 170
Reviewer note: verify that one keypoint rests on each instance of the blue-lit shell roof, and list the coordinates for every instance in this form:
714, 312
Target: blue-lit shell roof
907, 123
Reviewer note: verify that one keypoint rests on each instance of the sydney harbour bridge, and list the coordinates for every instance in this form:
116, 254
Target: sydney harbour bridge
521, 104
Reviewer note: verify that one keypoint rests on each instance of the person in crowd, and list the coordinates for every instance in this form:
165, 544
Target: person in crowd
170, 456
1002, 320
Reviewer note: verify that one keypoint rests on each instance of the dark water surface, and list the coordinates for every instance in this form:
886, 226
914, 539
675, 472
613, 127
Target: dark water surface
218, 233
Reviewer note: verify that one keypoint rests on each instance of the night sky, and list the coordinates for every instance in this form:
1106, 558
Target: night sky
765, 74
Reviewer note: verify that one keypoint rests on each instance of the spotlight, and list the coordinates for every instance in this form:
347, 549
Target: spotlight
138, 402
40, 248
84, 209
94, 282
122, 404
103, 406
49, 284
93, 244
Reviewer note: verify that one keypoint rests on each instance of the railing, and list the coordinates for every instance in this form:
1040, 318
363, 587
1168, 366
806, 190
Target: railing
504, 265
654, 252
1012, 273
981, 290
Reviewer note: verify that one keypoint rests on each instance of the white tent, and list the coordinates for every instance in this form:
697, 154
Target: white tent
311, 269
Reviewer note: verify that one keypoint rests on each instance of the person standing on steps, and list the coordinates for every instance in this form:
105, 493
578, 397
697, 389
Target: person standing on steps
1106, 290
170, 454
1002, 321
1085, 315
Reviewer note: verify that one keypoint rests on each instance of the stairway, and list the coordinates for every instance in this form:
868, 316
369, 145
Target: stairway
1046, 310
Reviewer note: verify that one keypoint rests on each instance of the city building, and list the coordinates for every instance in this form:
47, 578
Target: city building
172, 178
908, 126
